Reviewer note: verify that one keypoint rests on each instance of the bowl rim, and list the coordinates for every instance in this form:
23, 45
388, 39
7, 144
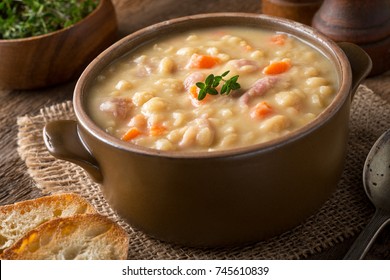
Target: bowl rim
318, 40
99, 7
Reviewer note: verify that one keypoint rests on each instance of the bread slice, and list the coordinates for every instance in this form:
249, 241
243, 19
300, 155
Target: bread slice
19, 218
88, 236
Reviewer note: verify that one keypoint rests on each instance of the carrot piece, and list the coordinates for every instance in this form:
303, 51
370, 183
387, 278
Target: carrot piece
279, 39
131, 134
194, 91
261, 110
157, 130
203, 61
248, 48
277, 67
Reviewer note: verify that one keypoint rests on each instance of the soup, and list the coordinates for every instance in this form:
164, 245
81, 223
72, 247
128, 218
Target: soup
150, 97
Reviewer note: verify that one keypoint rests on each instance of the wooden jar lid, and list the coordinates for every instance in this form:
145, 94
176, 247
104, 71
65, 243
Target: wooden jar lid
365, 23
298, 10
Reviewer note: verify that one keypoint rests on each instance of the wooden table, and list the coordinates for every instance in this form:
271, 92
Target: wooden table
16, 184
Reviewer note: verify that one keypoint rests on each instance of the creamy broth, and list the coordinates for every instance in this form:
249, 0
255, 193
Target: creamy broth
149, 96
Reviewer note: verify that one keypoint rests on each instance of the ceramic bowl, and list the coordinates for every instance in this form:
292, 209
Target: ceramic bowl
59, 56
224, 197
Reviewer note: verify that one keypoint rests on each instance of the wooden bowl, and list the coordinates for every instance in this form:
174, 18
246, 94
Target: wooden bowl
59, 56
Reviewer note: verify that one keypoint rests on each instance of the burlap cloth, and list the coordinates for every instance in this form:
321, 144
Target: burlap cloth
342, 216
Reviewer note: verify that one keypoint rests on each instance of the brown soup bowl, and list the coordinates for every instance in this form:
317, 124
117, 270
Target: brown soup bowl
224, 197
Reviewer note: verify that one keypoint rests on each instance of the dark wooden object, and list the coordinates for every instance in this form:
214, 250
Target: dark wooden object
298, 10
365, 23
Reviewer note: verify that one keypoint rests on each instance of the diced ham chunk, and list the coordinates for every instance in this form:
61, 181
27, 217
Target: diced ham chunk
119, 107
259, 88
192, 79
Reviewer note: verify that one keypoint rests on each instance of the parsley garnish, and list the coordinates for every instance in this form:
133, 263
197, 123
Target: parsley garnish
211, 82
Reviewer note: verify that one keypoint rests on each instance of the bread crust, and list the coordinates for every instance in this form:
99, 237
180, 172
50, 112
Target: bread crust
18, 218
83, 236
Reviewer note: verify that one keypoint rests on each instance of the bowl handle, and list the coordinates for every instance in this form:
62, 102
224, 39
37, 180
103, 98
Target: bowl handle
360, 62
63, 142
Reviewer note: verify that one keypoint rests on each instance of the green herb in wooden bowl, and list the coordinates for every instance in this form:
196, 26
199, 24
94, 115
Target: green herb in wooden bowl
27, 18
44, 43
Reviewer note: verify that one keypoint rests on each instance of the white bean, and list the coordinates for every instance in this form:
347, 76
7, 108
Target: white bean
225, 113
248, 137
293, 98
212, 51
179, 118
309, 116
205, 137
326, 91
248, 69
154, 105
140, 98
123, 85
175, 135
169, 83
234, 40
189, 137
223, 57
192, 38
229, 140
310, 72
316, 100
257, 54
314, 82
309, 55
229, 130
275, 124
140, 59
164, 145
187, 51
166, 66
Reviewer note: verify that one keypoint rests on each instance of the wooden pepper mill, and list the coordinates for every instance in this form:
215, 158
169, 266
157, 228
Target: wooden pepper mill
365, 23
298, 10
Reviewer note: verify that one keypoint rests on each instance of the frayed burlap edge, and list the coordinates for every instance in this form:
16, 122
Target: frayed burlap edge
342, 216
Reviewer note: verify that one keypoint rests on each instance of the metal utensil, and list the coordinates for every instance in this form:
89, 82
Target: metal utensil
376, 180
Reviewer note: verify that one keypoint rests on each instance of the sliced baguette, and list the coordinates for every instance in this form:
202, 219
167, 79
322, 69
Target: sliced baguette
88, 236
19, 218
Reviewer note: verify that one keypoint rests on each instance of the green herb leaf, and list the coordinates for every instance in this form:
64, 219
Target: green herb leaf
225, 73
217, 80
224, 89
211, 82
202, 94
200, 85
212, 91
